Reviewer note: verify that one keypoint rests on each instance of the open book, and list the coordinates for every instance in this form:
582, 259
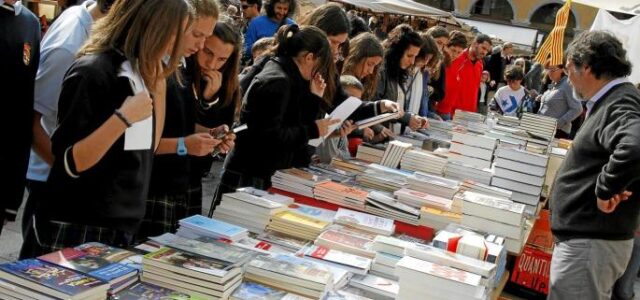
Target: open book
362, 124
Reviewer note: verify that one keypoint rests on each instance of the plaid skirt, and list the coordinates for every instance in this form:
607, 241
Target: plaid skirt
50, 236
163, 212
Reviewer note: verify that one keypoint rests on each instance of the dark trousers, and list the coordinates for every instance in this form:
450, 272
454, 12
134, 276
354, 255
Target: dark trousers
37, 194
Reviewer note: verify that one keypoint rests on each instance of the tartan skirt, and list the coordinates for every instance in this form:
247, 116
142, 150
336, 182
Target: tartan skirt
163, 212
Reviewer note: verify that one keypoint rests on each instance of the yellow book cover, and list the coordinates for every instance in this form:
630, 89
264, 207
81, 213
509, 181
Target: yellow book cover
294, 218
442, 213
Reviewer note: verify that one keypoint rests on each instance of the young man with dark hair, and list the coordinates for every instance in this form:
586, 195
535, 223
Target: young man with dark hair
595, 202
250, 9
279, 12
59, 48
20, 48
462, 81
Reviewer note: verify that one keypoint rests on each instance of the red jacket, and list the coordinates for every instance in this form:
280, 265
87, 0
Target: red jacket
462, 81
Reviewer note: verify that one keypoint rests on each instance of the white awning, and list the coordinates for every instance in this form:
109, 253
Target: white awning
631, 7
523, 36
400, 7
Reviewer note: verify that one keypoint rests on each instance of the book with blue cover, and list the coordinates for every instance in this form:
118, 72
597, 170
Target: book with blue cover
202, 225
52, 280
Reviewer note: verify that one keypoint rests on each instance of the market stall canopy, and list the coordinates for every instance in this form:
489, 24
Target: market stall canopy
522, 36
399, 7
631, 7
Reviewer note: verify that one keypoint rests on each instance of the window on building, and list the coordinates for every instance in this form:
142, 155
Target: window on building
493, 9
447, 5
545, 17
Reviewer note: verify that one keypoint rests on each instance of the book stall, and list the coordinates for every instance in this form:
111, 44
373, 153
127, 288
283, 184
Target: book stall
398, 222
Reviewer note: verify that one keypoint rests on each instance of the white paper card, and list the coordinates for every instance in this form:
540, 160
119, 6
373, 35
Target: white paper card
140, 135
342, 112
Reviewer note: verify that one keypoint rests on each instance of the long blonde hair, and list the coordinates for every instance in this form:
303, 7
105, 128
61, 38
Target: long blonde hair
142, 29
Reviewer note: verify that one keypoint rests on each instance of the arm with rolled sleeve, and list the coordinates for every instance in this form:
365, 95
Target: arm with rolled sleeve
574, 105
621, 136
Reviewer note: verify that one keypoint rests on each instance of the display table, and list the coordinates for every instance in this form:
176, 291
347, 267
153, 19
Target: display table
420, 232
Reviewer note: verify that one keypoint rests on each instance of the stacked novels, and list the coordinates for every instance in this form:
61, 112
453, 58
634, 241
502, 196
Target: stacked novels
318, 213
453, 260
462, 116
211, 248
509, 121
350, 165
459, 171
415, 138
297, 181
480, 188
267, 195
198, 226
539, 126
382, 178
394, 152
376, 287
290, 273
144, 290
256, 244
364, 221
292, 244
521, 172
513, 136
250, 290
421, 279
384, 204
438, 219
118, 275
246, 210
36, 279
370, 153
389, 251
491, 214
350, 241
438, 130
433, 185
297, 225
336, 174
472, 149
423, 161
340, 194
347, 293
353, 263
190, 273
420, 199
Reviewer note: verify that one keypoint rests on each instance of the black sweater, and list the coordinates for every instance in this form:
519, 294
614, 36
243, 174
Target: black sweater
112, 193
280, 112
603, 161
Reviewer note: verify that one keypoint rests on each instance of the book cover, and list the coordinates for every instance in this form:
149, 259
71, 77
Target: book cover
148, 291
345, 239
293, 266
214, 226
211, 249
376, 285
254, 291
301, 220
186, 260
303, 176
364, 221
56, 278
338, 257
95, 266
254, 200
440, 271
267, 195
109, 253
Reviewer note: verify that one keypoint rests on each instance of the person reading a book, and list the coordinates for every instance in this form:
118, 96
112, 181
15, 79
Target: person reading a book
281, 109
100, 177
401, 48
509, 99
168, 199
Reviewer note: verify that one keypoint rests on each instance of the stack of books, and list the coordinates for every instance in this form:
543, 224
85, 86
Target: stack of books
211, 248
423, 161
539, 126
350, 262
290, 273
394, 152
441, 130
521, 172
384, 204
510, 135
350, 165
297, 181
433, 185
200, 226
290, 243
282, 199
472, 149
378, 177
336, 174
341, 195
370, 153
249, 290
462, 116
118, 275
480, 188
318, 213
36, 279
420, 199
438, 219
460, 171
350, 241
190, 273
509, 121
144, 290
415, 138
376, 287
364, 221
494, 215
421, 279
297, 225
246, 210
389, 251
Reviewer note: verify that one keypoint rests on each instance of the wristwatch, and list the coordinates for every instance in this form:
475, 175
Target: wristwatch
182, 148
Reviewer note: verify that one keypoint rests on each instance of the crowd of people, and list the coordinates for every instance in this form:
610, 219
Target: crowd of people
109, 75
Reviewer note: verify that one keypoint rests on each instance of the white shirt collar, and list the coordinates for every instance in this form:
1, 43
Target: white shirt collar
596, 97
17, 7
